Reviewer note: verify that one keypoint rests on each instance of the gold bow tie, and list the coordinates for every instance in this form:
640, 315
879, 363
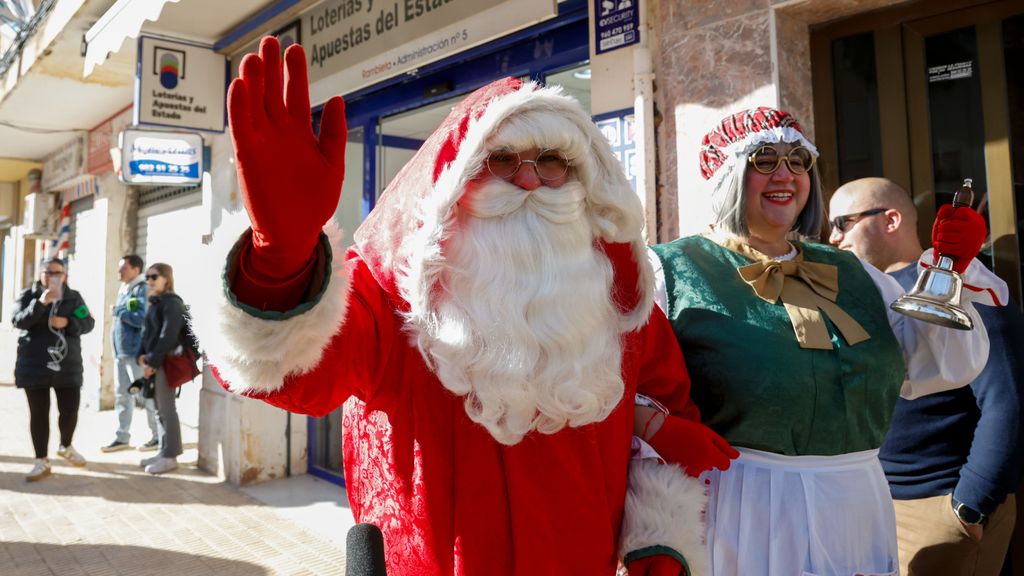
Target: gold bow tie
806, 289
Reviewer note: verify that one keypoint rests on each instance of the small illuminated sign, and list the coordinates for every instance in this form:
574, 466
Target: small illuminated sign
149, 157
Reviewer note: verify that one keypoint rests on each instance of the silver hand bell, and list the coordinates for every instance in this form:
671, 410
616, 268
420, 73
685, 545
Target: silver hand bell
936, 296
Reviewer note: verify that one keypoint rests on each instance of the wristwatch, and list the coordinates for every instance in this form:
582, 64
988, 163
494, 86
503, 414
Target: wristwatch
966, 514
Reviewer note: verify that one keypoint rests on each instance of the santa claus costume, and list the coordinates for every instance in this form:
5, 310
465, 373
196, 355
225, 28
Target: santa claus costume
487, 345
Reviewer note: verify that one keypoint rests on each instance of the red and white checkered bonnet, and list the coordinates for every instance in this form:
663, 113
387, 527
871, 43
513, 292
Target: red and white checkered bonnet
741, 133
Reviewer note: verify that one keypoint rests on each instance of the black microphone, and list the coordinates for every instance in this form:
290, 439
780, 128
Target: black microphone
364, 551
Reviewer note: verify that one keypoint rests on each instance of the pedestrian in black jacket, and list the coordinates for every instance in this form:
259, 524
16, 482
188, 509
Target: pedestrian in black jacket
52, 318
162, 334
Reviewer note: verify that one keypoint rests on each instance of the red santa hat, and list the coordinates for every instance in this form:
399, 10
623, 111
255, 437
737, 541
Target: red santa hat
413, 216
727, 146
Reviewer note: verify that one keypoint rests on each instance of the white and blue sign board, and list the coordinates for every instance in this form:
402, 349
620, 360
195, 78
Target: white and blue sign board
616, 24
163, 158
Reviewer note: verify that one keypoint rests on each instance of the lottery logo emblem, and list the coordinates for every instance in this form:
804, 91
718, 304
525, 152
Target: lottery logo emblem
169, 65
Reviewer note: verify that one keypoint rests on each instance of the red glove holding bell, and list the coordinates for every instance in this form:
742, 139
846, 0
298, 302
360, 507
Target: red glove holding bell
290, 180
959, 234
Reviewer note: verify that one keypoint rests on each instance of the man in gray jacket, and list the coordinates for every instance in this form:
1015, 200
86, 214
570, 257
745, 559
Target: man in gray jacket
129, 313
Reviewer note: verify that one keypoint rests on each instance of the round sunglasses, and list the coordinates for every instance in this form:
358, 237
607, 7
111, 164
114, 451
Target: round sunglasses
550, 164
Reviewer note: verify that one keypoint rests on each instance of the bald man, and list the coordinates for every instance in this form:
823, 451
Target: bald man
952, 459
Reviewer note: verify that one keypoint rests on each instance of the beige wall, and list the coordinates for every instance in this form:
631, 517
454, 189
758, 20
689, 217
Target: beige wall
16, 250
116, 206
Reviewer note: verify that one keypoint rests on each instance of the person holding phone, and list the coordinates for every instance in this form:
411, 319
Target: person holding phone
52, 318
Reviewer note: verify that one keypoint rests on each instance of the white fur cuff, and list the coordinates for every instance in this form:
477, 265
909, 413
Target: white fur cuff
254, 354
665, 507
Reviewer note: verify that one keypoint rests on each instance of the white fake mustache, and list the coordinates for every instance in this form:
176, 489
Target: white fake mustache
497, 198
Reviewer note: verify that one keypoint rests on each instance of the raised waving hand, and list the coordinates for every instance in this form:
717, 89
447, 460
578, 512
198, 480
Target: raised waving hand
290, 179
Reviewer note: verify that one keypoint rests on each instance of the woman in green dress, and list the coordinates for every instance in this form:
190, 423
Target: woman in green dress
797, 360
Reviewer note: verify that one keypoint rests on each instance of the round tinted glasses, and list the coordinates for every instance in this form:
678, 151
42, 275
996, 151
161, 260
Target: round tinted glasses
550, 164
767, 160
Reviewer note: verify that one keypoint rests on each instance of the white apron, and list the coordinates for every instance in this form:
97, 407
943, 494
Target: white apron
774, 515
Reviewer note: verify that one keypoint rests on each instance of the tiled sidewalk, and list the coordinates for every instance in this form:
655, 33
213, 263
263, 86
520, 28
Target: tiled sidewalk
111, 518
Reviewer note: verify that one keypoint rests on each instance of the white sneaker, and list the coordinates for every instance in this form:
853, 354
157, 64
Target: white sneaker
39, 471
147, 461
71, 455
162, 465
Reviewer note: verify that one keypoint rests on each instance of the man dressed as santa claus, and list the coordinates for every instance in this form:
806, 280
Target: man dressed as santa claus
487, 333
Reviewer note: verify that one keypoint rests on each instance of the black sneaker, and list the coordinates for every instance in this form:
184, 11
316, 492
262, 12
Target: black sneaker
151, 445
116, 446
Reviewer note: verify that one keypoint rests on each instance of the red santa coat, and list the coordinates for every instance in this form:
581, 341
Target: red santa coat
448, 497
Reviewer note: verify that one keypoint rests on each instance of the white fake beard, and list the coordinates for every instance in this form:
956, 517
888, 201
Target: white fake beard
523, 324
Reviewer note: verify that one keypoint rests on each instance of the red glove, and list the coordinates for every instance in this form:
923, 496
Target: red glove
290, 180
692, 445
959, 234
660, 565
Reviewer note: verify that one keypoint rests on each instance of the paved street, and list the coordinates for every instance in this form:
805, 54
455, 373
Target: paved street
111, 518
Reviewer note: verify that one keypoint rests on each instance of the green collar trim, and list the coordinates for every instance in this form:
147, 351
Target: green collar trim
658, 550
321, 279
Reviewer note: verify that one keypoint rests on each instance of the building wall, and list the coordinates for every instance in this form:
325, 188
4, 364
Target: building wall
116, 205
86, 273
14, 277
10, 202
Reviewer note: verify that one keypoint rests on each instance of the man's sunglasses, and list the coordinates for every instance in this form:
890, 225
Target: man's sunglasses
767, 160
840, 223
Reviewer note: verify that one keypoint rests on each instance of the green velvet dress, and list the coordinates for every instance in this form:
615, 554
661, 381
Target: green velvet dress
753, 383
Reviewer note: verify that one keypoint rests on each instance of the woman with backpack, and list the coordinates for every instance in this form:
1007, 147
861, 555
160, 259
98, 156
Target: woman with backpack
163, 334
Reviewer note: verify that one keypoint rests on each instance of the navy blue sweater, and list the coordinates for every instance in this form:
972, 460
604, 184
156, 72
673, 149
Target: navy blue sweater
967, 441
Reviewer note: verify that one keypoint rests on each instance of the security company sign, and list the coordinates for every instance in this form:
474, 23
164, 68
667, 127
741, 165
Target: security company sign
149, 157
616, 24
180, 85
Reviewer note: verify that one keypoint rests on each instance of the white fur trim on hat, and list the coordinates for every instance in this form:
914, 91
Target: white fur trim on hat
255, 354
665, 507
751, 141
